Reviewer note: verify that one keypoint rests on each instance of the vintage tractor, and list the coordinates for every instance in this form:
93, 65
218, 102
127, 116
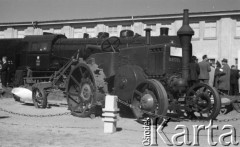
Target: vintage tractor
149, 77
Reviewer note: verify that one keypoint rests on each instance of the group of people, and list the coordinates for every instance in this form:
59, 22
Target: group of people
221, 77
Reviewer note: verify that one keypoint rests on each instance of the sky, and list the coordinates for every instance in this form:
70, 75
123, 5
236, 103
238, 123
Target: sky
47, 10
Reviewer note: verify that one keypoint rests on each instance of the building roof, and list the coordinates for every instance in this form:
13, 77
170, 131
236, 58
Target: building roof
125, 18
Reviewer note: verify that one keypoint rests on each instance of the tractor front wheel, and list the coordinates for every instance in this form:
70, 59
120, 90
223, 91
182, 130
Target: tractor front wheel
150, 100
39, 98
203, 101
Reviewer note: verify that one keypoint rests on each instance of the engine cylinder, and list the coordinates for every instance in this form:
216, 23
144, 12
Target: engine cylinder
148, 36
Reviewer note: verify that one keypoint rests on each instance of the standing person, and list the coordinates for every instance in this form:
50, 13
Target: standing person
218, 73
0, 74
234, 76
204, 70
211, 74
4, 71
224, 81
194, 71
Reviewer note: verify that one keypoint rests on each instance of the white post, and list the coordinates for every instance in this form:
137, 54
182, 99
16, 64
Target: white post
110, 114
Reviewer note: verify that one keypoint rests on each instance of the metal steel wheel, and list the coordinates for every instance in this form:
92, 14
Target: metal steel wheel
149, 96
39, 98
81, 91
203, 101
110, 44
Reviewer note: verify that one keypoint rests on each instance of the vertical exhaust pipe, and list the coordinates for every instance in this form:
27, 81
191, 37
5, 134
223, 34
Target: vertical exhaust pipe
148, 35
185, 34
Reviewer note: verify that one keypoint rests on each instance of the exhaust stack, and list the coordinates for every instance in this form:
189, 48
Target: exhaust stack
185, 34
148, 35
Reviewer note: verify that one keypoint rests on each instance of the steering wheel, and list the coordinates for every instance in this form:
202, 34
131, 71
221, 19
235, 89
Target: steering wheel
110, 44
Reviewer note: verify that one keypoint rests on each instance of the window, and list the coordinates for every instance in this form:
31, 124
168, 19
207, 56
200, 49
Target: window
195, 27
20, 34
210, 30
170, 31
78, 33
154, 29
1, 34
91, 32
126, 28
237, 32
57, 31
113, 31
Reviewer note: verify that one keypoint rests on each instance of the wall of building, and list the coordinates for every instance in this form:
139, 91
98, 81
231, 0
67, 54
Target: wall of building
216, 34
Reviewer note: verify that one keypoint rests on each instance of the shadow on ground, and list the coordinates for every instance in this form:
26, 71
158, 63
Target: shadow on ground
2, 117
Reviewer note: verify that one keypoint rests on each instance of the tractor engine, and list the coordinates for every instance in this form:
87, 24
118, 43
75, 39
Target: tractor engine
177, 84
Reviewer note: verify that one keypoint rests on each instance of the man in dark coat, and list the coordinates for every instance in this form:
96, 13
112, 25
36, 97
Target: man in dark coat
224, 81
4, 71
218, 73
194, 71
234, 76
204, 70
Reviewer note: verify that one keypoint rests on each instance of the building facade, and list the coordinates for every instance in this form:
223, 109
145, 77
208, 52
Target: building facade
217, 34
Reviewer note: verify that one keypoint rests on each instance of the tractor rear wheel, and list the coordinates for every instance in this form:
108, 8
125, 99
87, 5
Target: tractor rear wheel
84, 89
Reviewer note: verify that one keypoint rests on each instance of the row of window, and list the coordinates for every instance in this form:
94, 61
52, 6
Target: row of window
209, 30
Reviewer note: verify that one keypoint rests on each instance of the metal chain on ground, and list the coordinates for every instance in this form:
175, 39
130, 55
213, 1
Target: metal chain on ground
177, 119
34, 115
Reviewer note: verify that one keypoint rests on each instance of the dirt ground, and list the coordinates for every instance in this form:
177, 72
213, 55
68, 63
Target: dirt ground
66, 130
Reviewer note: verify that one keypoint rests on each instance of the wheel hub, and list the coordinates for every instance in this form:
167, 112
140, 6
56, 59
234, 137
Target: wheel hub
204, 102
38, 97
86, 91
148, 102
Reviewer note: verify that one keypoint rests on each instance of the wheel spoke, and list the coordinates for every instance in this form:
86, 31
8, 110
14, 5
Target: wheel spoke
75, 80
76, 88
116, 41
84, 75
108, 42
74, 100
80, 70
145, 86
138, 92
72, 94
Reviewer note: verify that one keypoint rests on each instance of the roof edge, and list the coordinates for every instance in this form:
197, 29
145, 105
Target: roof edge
124, 18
